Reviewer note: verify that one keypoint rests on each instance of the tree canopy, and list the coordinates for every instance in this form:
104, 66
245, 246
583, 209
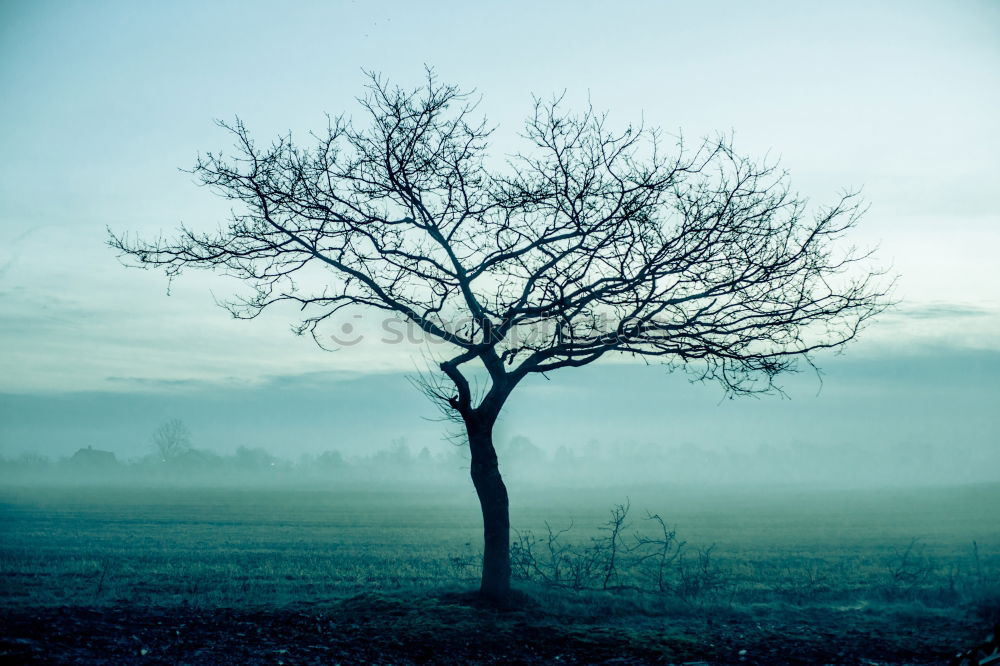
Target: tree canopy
589, 241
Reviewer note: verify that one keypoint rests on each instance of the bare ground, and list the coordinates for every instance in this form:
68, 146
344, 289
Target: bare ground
451, 628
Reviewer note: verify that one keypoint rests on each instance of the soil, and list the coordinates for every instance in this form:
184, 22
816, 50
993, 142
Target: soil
455, 630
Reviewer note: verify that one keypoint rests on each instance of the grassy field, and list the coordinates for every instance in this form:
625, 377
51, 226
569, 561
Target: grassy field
937, 546
932, 555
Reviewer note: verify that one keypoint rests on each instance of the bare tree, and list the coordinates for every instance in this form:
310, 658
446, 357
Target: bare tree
590, 242
172, 439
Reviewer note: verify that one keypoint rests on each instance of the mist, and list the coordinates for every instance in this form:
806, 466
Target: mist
549, 333
920, 419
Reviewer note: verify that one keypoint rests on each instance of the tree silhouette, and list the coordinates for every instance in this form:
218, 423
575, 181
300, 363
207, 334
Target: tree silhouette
172, 439
589, 242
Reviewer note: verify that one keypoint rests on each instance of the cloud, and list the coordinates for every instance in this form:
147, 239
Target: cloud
921, 327
319, 380
942, 311
943, 399
157, 384
14, 255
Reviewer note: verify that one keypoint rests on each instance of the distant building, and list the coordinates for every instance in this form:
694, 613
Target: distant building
94, 458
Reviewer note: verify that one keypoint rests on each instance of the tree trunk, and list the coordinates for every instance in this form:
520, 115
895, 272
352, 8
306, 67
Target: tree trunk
492, 493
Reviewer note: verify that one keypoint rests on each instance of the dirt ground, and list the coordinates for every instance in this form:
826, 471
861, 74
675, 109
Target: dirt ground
452, 628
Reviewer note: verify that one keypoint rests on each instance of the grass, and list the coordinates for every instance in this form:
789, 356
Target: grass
902, 573
937, 548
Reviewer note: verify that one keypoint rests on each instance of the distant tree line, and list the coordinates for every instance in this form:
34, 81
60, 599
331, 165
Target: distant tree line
591, 462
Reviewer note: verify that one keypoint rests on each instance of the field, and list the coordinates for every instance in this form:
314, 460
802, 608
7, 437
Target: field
320, 576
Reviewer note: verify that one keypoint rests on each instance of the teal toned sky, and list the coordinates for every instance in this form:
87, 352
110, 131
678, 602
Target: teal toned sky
103, 102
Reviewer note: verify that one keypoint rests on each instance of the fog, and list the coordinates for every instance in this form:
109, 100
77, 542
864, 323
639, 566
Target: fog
923, 419
94, 355
525, 465
182, 486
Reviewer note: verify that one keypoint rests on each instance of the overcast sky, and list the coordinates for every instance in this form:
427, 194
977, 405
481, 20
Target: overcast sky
104, 102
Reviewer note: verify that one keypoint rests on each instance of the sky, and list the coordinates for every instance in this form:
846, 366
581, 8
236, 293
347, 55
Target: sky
105, 103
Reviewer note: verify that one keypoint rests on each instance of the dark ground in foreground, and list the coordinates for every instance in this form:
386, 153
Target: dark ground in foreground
451, 628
